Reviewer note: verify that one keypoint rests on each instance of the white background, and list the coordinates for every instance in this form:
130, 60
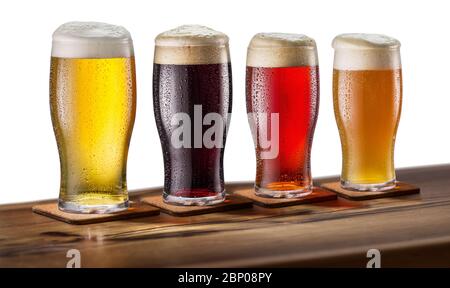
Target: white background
29, 163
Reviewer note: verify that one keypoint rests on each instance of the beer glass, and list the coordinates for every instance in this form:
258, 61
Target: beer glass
93, 104
282, 89
192, 105
367, 96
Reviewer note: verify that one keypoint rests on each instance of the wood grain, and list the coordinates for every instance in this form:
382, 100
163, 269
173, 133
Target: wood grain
410, 231
400, 189
134, 211
231, 202
318, 195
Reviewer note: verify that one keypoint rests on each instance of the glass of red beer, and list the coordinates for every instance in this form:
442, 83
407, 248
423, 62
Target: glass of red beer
282, 89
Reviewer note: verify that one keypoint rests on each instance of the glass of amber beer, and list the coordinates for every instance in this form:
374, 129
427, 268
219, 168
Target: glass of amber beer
282, 87
93, 104
367, 96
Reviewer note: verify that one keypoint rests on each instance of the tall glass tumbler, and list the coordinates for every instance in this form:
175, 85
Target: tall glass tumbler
192, 103
93, 104
282, 87
367, 95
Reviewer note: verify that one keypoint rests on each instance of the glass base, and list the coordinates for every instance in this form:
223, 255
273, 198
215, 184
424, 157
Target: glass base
71, 207
369, 187
295, 193
194, 201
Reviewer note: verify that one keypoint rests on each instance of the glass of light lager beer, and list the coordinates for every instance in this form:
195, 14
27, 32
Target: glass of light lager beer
93, 105
367, 96
192, 104
282, 87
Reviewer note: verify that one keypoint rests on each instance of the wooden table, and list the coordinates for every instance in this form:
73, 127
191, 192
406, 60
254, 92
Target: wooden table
409, 231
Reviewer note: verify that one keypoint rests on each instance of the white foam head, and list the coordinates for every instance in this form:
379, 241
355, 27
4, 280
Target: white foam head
366, 52
281, 50
91, 40
191, 44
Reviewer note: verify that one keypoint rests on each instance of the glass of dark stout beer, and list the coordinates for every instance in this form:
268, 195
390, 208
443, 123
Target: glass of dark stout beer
282, 87
192, 103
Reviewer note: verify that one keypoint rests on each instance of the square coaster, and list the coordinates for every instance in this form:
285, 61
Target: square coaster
400, 189
136, 210
232, 202
318, 195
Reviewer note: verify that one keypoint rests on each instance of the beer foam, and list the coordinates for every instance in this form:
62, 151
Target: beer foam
91, 40
281, 50
366, 52
191, 44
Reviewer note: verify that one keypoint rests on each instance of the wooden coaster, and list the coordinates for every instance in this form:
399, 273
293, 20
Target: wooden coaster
136, 210
400, 189
318, 195
232, 202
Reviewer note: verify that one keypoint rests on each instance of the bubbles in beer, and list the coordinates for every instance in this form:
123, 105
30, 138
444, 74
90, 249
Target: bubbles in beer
192, 79
91, 40
281, 50
92, 103
191, 171
281, 40
361, 40
188, 35
366, 52
191, 44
